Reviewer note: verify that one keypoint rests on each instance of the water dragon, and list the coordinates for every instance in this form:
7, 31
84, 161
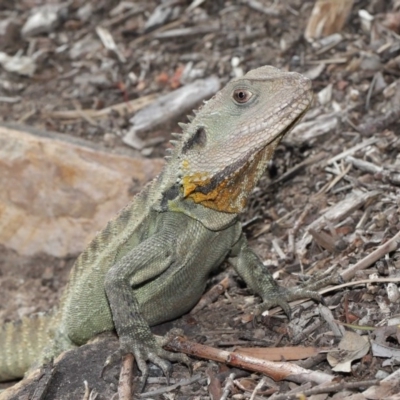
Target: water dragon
150, 264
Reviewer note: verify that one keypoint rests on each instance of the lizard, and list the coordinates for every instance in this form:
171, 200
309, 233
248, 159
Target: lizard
150, 264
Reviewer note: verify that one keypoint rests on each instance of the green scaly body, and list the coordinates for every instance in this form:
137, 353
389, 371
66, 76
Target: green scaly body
150, 264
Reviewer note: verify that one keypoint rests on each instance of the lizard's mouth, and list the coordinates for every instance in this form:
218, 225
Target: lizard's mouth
289, 127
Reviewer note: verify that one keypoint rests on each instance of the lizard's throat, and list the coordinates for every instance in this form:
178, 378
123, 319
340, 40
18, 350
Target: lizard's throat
229, 190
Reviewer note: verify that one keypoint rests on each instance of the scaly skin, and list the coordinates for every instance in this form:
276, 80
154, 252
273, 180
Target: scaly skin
150, 264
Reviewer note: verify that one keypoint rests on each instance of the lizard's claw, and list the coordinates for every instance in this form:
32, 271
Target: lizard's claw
321, 280
145, 351
167, 338
279, 298
281, 295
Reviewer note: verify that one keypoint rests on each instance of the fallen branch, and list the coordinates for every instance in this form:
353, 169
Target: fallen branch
389, 246
275, 370
277, 310
337, 387
130, 107
212, 295
379, 124
360, 282
125, 378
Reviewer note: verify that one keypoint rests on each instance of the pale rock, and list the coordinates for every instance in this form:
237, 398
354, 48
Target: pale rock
18, 64
56, 195
84, 47
43, 19
85, 12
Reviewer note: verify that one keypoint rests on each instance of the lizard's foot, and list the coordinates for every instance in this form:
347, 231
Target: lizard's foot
280, 296
145, 350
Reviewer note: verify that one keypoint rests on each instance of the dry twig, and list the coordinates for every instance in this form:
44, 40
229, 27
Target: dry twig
276, 370
228, 387
166, 389
257, 388
327, 389
380, 123
386, 248
212, 295
121, 108
125, 389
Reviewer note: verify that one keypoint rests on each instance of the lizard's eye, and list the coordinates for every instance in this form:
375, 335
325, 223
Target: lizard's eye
242, 95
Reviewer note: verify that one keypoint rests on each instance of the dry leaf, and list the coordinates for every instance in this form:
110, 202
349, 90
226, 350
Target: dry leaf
351, 347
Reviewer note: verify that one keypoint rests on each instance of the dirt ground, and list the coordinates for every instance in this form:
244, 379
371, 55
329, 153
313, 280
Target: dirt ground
344, 156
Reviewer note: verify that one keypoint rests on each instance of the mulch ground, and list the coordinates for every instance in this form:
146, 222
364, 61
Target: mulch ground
328, 202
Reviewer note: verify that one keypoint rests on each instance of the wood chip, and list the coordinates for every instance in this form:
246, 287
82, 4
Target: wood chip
170, 106
327, 17
336, 213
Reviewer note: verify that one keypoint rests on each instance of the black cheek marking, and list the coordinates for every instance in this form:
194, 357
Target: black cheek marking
169, 194
216, 180
199, 139
227, 172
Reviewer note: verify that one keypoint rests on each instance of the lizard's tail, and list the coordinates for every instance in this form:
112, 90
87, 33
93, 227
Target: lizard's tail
21, 344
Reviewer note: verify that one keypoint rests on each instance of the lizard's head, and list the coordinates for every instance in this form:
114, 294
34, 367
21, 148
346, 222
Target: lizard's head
226, 148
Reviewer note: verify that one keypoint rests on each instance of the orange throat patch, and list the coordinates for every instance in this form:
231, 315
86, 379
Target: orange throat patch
227, 193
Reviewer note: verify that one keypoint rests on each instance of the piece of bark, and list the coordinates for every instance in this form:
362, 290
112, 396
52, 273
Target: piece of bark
43, 19
9, 31
183, 32
212, 295
327, 17
387, 387
308, 132
123, 108
170, 106
163, 13
381, 251
336, 213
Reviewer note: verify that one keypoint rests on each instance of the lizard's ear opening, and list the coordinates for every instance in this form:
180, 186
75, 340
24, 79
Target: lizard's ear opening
199, 139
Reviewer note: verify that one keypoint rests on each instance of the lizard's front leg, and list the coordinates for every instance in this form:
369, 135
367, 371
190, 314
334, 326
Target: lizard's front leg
146, 261
249, 266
